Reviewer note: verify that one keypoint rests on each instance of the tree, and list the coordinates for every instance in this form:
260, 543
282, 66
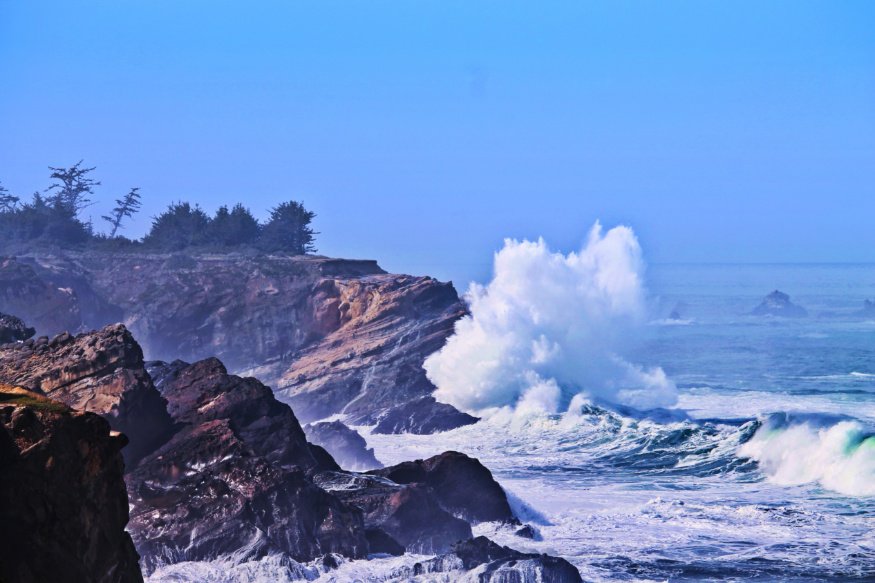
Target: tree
289, 229
125, 207
8, 202
73, 187
233, 228
180, 226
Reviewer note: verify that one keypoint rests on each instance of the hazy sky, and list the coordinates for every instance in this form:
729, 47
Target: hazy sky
423, 133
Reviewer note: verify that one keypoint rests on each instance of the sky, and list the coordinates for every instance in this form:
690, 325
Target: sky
424, 133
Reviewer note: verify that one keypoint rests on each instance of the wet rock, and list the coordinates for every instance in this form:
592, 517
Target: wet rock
461, 484
408, 514
348, 448
237, 473
498, 564
423, 416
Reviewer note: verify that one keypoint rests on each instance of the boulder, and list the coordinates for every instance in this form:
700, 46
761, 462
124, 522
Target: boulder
461, 484
423, 416
12, 329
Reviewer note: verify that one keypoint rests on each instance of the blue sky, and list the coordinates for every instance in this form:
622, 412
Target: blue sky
423, 133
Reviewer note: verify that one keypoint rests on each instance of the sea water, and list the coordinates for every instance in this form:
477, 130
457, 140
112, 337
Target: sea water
763, 471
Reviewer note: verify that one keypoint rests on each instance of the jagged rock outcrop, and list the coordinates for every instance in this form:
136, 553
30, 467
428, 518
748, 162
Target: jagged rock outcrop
423, 416
101, 372
348, 448
488, 562
237, 474
12, 329
461, 484
408, 517
330, 336
778, 303
63, 505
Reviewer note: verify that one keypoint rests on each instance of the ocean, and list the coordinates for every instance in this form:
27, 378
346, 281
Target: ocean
762, 470
658, 497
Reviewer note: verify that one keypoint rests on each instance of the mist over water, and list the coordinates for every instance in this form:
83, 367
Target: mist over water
551, 326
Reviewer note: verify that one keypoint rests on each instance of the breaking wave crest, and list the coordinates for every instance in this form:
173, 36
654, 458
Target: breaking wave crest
838, 454
551, 326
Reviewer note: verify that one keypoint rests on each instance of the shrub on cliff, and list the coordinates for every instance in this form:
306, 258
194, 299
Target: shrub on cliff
288, 230
180, 226
234, 228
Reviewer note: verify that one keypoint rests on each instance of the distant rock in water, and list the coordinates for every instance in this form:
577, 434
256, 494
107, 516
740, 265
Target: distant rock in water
778, 303
677, 313
63, 505
423, 416
348, 448
868, 310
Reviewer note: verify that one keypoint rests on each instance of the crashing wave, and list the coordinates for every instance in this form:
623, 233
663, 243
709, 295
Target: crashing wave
838, 454
551, 326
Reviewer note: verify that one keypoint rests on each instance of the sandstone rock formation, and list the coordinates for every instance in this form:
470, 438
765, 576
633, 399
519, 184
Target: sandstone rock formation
100, 372
63, 505
330, 336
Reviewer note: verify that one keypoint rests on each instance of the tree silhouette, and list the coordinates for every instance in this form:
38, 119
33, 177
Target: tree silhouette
125, 207
73, 187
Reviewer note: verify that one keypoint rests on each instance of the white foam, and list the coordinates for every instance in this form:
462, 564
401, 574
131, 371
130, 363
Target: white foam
840, 457
550, 326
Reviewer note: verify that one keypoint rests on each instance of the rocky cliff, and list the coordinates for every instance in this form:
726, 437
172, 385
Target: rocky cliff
224, 470
330, 336
63, 505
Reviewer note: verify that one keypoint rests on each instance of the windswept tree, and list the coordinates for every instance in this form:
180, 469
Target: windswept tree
125, 208
180, 226
233, 228
289, 229
8, 202
72, 187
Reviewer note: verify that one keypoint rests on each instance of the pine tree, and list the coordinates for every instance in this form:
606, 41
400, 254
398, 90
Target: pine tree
73, 187
126, 207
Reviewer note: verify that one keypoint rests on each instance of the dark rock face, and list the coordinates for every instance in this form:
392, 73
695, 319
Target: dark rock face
63, 506
778, 304
331, 336
503, 564
12, 329
101, 372
423, 416
461, 485
409, 515
237, 474
348, 448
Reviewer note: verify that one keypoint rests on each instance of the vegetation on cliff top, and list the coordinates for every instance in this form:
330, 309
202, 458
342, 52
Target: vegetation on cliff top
53, 218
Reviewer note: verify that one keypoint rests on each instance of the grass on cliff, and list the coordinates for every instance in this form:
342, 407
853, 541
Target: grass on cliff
12, 395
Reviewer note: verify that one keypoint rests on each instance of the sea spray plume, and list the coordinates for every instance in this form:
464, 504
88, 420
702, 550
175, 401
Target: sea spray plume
550, 326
